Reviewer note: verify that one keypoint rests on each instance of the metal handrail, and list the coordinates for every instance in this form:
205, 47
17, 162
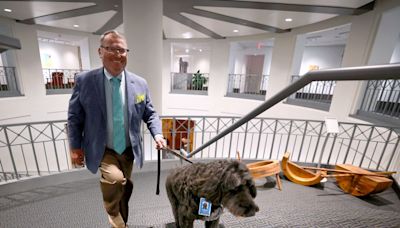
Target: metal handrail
41, 148
379, 72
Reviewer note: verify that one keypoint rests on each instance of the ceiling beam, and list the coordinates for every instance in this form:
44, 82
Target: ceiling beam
186, 21
82, 1
111, 24
365, 8
173, 8
235, 20
7, 42
65, 14
283, 7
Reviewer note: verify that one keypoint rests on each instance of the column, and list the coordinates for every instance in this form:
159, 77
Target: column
371, 42
143, 31
298, 54
281, 65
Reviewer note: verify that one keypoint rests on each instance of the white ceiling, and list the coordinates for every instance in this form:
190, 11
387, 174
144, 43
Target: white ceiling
88, 23
339, 3
174, 29
223, 28
239, 19
273, 18
24, 9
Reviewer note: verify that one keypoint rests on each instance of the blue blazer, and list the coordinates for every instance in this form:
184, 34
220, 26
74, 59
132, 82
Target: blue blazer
87, 116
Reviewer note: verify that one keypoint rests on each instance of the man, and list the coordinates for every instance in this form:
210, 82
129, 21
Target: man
104, 117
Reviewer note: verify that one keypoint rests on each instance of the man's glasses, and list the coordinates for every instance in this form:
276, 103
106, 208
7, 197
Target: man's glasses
114, 50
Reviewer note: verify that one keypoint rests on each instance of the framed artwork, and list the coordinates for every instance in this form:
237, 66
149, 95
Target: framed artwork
47, 62
313, 67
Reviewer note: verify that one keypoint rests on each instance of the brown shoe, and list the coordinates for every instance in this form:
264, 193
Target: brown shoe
116, 221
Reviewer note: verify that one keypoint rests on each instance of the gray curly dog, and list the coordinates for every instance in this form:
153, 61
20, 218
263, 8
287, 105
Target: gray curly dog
225, 184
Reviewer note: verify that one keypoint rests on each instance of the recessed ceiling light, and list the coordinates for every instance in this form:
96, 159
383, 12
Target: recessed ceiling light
235, 30
187, 35
187, 50
76, 26
288, 19
200, 50
8, 10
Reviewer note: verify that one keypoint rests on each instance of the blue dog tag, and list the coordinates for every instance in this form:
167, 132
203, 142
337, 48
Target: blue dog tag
204, 207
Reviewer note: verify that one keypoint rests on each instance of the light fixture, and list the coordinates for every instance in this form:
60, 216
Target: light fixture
200, 50
187, 35
8, 10
187, 50
235, 30
76, 26
288, 19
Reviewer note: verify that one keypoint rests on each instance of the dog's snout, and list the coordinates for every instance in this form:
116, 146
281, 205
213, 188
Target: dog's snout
251, 210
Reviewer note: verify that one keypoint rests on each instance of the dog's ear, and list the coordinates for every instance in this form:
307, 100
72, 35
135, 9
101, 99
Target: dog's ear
232, 177
232, 180
249, 182
252, 188
247, 179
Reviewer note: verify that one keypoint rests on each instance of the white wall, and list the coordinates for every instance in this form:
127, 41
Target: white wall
196, 61
237, 58
217, 104
324, 57
35, 105
355, 54
396, 53
59, 56
5, 28
85, 53
7, 57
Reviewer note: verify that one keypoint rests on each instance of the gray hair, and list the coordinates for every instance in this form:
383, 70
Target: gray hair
113, 33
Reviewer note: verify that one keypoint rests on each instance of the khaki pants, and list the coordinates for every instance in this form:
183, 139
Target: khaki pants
116, 185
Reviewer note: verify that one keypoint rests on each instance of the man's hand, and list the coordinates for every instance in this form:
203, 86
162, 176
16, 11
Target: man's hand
77, 157
160, 142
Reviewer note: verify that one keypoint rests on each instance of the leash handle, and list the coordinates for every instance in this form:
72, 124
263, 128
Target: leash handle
177, 154
158, 172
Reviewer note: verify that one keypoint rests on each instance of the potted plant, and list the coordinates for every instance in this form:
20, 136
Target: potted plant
198, 81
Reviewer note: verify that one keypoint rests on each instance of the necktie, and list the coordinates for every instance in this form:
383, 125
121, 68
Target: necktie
118, 117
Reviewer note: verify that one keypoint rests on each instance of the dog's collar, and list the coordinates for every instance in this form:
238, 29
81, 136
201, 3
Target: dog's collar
197, 199
216, 209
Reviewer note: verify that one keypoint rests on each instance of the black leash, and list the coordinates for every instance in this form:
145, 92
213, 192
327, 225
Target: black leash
177, 154
174, 152
158, 171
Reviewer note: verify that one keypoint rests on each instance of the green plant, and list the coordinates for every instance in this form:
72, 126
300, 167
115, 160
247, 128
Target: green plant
198, 81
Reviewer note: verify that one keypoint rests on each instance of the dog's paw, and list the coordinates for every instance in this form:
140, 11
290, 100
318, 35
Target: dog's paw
170, 225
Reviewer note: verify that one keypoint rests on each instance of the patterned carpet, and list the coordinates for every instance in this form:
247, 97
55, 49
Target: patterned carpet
78, 204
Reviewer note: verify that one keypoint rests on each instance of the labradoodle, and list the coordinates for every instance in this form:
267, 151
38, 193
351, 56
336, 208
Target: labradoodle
223, 184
